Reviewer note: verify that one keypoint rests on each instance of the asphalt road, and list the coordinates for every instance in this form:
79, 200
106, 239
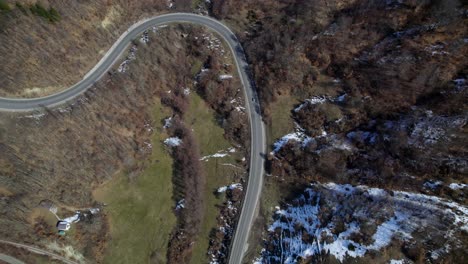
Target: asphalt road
258, 146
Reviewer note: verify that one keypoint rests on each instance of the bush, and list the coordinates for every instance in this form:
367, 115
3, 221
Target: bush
52, 15
21, 8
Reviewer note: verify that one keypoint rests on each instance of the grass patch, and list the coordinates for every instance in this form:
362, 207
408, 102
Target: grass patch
210, 138
4, 6
196, 67
281, 121
196, 3
141, 216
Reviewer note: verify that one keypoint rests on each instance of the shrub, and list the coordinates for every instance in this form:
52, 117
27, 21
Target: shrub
52, 15
21, 8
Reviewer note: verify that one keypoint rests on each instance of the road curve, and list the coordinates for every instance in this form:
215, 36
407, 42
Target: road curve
258, 145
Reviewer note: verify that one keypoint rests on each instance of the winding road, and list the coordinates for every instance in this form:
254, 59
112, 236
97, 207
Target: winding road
258, 145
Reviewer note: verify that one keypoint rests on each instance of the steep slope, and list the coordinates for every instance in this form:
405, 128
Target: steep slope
42, 56
359, 92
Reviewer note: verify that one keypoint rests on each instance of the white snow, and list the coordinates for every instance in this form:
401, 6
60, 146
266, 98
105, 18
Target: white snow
300, 137
386, 231
230, 187
167, 122
173, 141
432, 184
219, 154
225, 77
340, 98
296, 136
240, 109
436, 50
123, 67
397, 261
407, 215
341, 144
36, 116
312, 101
148, 145
222, 189
148, 127
170, 4
213, 43
457, 186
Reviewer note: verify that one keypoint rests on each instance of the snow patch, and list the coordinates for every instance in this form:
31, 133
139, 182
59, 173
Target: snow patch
432, 184
219, 154
225, 77
167, 122
173, 141
457, 186
312, 101
230, 187
37, 116
303, 218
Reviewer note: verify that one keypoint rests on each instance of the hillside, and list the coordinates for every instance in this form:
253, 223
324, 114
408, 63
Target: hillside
126, 158
364, 104
367, 93
62, 50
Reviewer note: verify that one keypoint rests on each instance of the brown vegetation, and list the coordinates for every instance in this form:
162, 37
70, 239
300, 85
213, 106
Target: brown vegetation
62, 154
395, 62
218, 94
189, 180
40, 57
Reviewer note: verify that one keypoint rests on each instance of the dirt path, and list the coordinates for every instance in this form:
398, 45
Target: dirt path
31, 249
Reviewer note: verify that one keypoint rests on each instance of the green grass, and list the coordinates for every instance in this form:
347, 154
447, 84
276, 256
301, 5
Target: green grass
4, 6
281, 121
196, 67
141, 216
210, 139
196, 3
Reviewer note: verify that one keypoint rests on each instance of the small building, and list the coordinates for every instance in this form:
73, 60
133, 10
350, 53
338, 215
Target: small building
63, 226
